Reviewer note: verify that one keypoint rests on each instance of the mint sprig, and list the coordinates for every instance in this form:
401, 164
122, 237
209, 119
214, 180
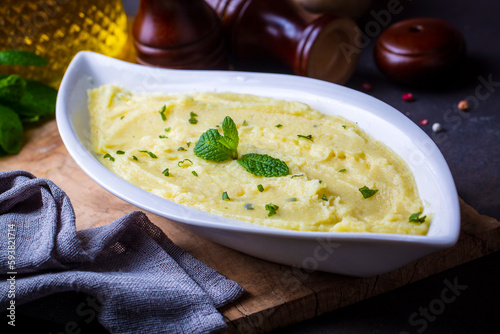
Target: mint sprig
215, 147
212, 146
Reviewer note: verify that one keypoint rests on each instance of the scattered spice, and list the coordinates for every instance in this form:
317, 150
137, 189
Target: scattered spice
366, 86
407, 97
436, 127
463, 105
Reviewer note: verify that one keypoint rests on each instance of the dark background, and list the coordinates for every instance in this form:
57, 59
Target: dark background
470, 144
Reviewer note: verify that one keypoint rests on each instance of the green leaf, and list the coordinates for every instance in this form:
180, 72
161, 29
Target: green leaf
260, 187
38, 100
366, 192
324, 198
230, 131
272, 208
225, 196
12, 88
343, 170
209, 147
21, 57
166, 172
11, 132
263, 165
414, 218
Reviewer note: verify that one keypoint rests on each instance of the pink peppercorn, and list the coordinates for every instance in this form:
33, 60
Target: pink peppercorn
407, 97
423, 121
366, 86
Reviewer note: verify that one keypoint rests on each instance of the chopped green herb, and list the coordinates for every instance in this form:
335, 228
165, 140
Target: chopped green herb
248, 206
244, 123
166, 172
135, 158
194, 173
167, 129
343, 170
162, 113
108, 156
292, 199
308, 137
272, 208
122, 117
192, 119
225, 197
297, 175
414, 218
366, 192
188, 144
263, 165
181, 163
260, 187
320, 182
151, 154
162, 136
344, 126
120, 152
279, 126
324, 198
181, 149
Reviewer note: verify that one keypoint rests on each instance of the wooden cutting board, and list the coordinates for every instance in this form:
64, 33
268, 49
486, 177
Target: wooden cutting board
276, 295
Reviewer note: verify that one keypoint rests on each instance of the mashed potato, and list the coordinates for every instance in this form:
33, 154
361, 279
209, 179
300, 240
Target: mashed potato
148, 140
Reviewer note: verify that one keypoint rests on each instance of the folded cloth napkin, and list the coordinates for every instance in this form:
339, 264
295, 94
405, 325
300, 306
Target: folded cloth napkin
143, 281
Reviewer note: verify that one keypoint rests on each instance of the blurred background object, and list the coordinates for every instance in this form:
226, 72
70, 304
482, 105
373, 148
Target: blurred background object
179, 34
354, 9
420, 51
58, 29
280, 36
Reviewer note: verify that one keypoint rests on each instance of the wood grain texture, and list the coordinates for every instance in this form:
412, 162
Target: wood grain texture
276, 295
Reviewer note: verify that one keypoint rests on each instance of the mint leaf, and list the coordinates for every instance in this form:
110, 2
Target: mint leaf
38, 100
230, 131
263, 165
11, 132
414, 218
21, 57
12, 88
209, 147
367, 192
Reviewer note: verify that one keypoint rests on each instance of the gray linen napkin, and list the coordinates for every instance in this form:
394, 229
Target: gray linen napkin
144, 282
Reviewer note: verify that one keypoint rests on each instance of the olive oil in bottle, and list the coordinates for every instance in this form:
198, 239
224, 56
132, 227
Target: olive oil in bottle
58, 29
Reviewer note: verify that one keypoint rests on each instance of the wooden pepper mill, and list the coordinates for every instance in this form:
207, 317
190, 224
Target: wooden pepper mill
181, 34
281, 33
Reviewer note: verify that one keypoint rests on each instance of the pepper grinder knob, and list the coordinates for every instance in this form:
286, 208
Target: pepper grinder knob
180, 34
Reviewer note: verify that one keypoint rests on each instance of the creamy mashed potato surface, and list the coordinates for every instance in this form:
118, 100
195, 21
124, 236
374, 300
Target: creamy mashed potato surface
152, 147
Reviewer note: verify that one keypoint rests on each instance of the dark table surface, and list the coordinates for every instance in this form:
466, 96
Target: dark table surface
470, 144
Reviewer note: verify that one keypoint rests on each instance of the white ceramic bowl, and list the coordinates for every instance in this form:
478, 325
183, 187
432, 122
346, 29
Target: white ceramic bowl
355, 254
